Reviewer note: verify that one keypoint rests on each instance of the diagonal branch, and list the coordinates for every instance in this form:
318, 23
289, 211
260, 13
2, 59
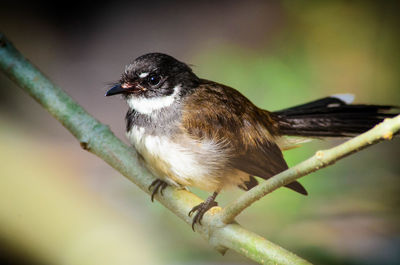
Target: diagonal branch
383, 131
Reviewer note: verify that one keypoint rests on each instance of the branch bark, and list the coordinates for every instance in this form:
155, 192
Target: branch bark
218, 228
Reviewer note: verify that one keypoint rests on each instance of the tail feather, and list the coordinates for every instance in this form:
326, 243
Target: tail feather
331, 117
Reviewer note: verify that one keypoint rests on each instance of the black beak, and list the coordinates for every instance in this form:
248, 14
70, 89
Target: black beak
117, 89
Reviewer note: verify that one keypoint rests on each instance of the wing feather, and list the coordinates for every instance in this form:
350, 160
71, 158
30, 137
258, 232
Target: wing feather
221, 114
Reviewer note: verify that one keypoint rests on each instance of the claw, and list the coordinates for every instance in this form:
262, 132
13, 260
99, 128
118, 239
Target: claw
202, 208
159, 186
162, 188
194, 209
153, 183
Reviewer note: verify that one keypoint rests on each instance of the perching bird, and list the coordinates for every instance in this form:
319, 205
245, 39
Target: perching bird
190, 131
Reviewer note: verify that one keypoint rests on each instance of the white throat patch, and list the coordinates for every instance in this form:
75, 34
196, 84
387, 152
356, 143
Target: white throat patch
148, 105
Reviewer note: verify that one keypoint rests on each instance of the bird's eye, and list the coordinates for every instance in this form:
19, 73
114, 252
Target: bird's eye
154, 80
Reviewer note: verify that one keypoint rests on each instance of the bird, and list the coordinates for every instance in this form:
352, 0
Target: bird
193, 132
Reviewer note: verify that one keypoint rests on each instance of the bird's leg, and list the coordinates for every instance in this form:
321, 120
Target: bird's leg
202, 208
159, 185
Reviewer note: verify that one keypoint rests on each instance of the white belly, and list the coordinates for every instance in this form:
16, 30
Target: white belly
184, 162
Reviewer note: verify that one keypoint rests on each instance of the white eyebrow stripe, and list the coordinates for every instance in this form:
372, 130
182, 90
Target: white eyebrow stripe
142, 75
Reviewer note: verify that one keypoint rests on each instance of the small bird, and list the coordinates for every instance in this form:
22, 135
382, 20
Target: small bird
190, 131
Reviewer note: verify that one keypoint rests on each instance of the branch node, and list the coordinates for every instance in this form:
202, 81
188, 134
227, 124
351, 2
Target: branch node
84, 145
388, 135
319, 154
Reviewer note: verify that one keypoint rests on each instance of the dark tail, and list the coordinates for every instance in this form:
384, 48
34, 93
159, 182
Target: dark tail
332, 117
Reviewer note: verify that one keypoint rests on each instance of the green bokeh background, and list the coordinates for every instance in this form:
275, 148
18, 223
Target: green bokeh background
60, 205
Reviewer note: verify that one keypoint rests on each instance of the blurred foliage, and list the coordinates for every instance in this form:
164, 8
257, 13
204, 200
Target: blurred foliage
45, 211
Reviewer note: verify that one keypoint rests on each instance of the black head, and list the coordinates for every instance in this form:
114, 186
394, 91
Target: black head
154, 75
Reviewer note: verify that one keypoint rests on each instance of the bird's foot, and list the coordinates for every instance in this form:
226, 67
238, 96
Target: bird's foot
202, 208
158, 186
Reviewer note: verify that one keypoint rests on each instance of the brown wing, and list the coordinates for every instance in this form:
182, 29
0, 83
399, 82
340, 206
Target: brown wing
221, 113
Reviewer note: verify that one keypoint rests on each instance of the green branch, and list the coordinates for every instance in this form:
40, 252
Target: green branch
218, 228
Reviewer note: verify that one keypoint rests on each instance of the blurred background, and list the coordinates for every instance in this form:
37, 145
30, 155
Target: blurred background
62, 205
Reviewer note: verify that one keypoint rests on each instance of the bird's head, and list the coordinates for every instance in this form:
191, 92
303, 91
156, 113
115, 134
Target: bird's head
154, 75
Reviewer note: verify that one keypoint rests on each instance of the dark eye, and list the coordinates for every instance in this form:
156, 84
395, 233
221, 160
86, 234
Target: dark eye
154, 80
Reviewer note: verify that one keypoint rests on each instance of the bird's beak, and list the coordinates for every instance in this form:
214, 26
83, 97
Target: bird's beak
125, 88
117, 89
